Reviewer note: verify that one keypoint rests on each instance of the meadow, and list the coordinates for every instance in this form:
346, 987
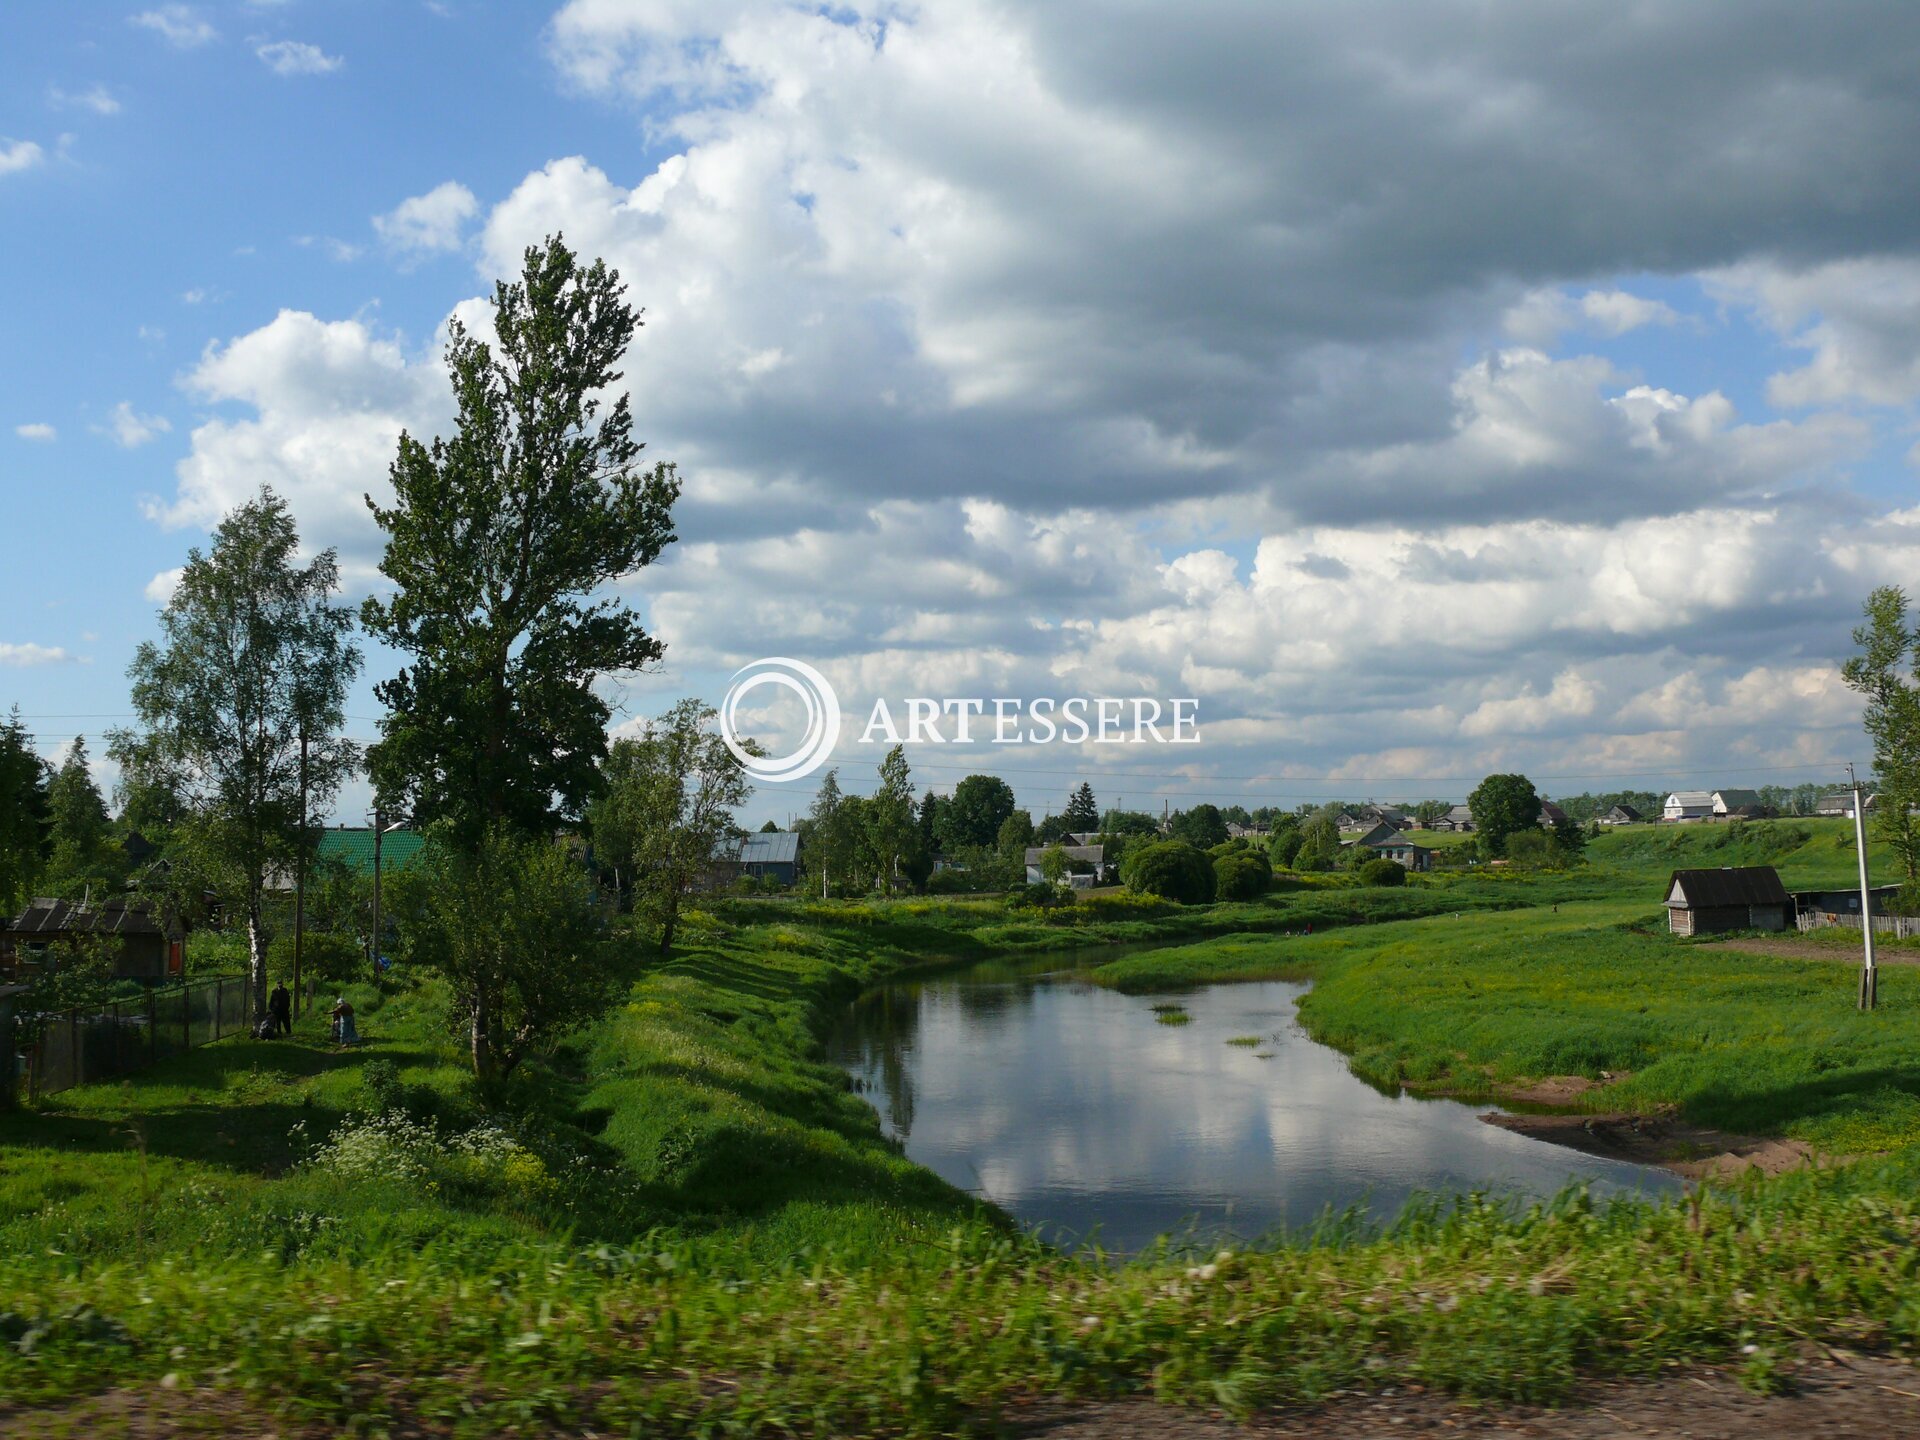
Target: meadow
685, 1222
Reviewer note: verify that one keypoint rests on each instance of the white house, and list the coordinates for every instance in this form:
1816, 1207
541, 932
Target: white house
1084, 858
1688, 805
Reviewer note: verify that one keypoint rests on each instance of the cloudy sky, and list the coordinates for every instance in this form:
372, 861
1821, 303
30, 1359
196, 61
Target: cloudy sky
1425, 388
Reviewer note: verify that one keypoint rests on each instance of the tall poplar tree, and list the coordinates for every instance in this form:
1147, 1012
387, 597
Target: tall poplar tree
1883, 672
498, 542
253, 656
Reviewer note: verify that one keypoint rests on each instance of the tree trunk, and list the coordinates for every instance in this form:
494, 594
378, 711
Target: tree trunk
256, 955
667, 922
482, 1041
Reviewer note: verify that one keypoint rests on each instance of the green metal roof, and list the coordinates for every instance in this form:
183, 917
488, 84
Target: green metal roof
353, 844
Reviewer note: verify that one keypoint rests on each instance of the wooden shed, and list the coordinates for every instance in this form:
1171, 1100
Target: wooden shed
143, 946
1703, 902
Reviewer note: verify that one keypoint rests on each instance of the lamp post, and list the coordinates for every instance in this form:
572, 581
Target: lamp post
380, 828
1869, 980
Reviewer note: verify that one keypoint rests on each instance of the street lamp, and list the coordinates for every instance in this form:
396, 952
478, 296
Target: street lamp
380, 828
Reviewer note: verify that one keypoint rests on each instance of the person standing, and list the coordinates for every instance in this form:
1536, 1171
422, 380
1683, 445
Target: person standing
343, 1028
280, 1010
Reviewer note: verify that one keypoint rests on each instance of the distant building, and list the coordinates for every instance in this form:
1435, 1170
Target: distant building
143, 946
1704, 902
1687, 805
1737, 804
1388, 843
1085, 862
1834, 907
1620, 815
1457, 819
1551, 815
767, 855
1840, 802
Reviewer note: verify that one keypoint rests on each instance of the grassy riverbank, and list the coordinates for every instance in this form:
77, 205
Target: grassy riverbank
687, 1221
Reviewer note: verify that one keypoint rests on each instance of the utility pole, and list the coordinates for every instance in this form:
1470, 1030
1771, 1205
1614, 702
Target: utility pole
373, 946
1868, 977
300, 875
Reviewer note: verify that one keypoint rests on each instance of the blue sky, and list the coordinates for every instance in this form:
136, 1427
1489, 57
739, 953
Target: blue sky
1426, 389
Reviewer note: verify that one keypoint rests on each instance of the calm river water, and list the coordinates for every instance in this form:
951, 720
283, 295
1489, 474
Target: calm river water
1073, 1109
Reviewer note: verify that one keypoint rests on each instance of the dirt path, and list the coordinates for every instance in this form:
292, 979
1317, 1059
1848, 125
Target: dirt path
1792, 948
1693, 1151
1861, 1398
1851, 1396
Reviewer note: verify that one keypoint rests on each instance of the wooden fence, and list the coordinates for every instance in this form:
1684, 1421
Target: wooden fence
1901, 927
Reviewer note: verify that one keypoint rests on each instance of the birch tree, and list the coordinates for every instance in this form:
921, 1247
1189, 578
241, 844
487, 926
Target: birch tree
253, 654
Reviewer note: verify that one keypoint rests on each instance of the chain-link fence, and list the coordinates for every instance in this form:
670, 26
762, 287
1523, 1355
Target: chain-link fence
78, 1047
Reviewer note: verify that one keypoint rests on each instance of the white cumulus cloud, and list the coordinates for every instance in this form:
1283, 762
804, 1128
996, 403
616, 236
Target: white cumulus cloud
297, 57
23, 656
430, 222
37, 430
18, 155
179, 25
130, 429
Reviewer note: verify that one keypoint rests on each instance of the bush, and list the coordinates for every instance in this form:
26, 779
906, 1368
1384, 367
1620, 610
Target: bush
1242, 876
950, 882
326, 956
1171, 869
1042, 895
1383, 872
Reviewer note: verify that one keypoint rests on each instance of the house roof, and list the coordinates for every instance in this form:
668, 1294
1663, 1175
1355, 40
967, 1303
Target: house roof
1381, 834
1092, 854
1394, 841
1735, 885
768, 847
1736, 799
1460, 812
110, 917
1626, 810
1551, 813
352, 845
1692, 799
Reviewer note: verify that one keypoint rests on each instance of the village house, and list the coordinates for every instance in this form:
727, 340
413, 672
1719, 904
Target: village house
1687, 805
1840, 802
1737, 805
1551, 815
1459, 818
1703, 902
1620, 815
141, 945
1387, 843
1085, 862
768, 855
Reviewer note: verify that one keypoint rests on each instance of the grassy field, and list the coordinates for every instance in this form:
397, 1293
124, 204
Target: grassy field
686, 1222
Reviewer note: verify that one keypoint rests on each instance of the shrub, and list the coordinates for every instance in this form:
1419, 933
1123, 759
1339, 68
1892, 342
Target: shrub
1171, 869
1383, 872
326, 956
1242, 876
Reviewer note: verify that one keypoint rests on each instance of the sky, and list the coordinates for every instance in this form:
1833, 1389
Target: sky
1425, 389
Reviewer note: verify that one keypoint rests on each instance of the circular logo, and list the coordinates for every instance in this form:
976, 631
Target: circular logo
823, 718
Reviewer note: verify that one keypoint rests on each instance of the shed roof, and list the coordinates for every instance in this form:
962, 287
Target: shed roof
110, 917
1735, 885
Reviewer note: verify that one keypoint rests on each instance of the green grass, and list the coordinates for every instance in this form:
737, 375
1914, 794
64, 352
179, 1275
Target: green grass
1749, 1043
685, 1223
1808, 853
